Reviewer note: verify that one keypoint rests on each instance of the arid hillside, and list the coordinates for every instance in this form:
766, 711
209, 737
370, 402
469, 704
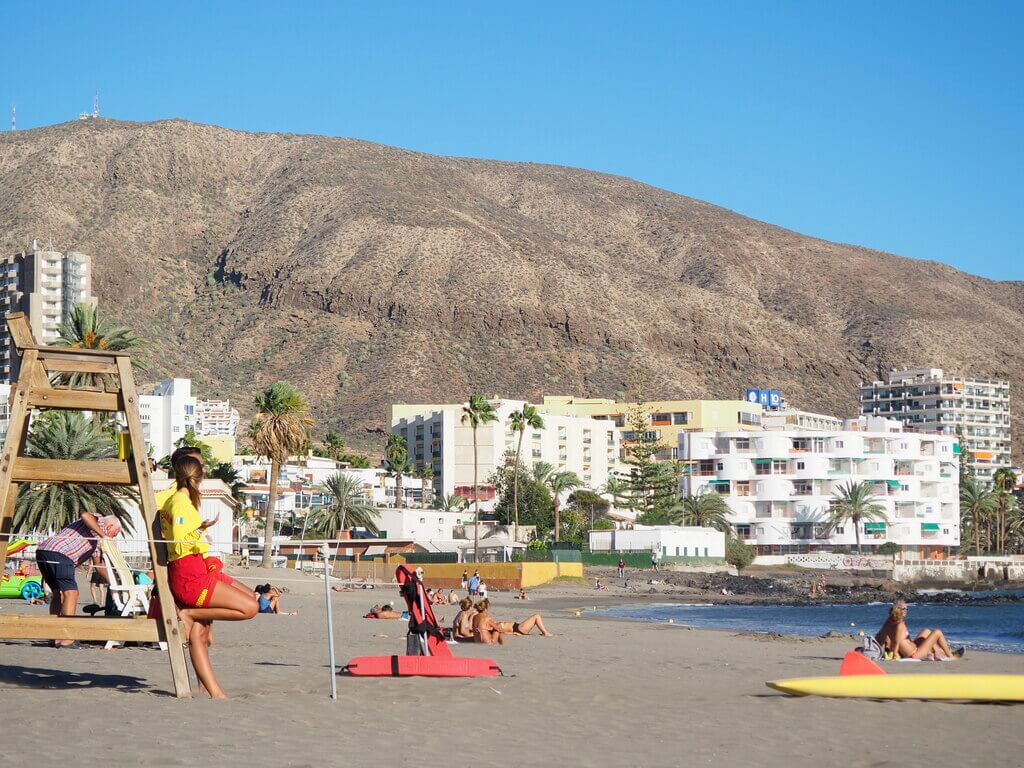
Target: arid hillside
367, 274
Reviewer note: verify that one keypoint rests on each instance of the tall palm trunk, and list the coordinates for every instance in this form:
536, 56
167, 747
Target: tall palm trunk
423, 493
398, 490
271, 513
558, 520
977, 534
515, 485
856, 533
476, 505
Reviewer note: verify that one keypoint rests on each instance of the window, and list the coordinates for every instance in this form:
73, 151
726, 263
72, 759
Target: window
800, 465
762, 469
904, 487
753, 419
721, 466
839, 444
680, 418
778, 467
743, 444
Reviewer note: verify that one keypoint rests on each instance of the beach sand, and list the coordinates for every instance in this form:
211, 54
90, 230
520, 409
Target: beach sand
602, 692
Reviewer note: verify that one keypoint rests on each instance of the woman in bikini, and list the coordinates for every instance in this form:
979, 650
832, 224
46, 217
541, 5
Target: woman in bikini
203, 592
485, 629
894, 637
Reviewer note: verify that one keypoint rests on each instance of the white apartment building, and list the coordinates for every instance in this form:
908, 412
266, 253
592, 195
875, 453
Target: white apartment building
929, 400
46, 286
216, 418
167, 414
436, 436
665, 540
780, 484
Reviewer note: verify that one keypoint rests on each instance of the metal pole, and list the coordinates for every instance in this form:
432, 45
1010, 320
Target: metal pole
325, 551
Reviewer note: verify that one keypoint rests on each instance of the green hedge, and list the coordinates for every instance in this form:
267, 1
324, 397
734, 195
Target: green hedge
633, 559
430, 557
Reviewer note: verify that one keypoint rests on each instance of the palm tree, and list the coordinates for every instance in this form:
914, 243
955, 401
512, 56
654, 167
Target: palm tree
279, 429
558, 483
450, 503
615, 488
348, 507
231, 477
1005, 480
541, 471
475, 412
975, 503
335, 445
85, 329
520, 421
706, 509
855, 502
396, 461
50, 506
424, 473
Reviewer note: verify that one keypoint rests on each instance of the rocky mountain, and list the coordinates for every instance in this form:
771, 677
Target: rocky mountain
367, 274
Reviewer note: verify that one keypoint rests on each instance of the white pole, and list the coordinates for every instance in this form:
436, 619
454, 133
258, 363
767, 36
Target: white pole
325, 551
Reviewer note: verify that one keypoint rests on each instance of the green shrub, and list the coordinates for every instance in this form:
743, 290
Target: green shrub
889, 548
738, 554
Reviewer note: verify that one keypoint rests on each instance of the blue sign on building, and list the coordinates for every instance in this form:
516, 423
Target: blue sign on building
766, 398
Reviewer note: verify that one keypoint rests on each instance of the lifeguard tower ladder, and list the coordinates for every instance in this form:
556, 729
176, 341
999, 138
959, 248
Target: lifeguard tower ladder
34, 390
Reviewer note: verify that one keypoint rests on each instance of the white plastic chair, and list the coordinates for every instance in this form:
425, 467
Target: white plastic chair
129, 598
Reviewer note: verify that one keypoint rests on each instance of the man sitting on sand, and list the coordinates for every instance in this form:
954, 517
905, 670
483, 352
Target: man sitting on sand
462, 626
894, 637
485, 629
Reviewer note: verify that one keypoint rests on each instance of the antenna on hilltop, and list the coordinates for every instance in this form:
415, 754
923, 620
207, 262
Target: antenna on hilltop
96, 105
14, 117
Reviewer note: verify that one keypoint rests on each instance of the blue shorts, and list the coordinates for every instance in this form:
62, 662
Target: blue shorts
264, 605
57, 570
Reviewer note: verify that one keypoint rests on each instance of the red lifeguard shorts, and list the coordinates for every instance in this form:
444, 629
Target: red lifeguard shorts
193, 579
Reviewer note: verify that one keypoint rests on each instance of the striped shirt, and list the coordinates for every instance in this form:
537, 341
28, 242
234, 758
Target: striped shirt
76, 542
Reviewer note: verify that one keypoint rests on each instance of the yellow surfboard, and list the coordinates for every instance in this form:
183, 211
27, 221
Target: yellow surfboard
950, 687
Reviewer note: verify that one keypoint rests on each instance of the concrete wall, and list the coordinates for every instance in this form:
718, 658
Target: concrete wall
959, 571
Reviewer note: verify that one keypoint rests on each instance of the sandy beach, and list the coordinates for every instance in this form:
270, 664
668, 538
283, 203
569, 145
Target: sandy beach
601, 692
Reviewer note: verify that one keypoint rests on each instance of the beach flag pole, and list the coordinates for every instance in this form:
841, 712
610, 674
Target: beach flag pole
325, 552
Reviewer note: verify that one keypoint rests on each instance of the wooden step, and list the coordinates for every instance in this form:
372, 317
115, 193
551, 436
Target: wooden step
110, 471
27, 626
75, 400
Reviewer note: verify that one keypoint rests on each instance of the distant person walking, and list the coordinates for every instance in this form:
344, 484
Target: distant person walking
474, 584
622, 568
465, 579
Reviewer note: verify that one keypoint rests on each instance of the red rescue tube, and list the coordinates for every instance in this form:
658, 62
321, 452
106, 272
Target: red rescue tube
422, 666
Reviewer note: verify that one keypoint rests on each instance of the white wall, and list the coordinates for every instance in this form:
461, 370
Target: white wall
668, 540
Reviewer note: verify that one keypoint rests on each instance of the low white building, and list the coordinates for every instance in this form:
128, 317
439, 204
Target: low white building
781, 484
437, 437
665, 540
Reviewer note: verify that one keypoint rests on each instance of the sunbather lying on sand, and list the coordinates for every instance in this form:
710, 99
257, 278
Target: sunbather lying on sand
524, 627
894, 637
385, 611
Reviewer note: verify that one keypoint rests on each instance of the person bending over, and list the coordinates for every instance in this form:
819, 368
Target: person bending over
485, 629
203, 592
894, 637
59, 555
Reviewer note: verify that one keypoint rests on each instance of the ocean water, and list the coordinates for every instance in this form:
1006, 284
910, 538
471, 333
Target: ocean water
981, 626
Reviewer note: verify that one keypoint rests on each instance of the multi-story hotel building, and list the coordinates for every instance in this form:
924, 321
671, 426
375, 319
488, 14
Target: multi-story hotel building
216, 418
437, 437
780, 484
666, 419
928, 400
46, 286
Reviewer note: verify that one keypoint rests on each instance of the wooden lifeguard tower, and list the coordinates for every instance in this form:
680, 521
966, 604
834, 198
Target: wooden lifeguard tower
34, 390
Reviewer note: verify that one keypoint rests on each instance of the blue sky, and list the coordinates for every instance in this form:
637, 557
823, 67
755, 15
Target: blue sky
892, 125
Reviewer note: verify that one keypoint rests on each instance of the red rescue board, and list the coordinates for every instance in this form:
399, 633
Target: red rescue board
857, 664
422, 666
